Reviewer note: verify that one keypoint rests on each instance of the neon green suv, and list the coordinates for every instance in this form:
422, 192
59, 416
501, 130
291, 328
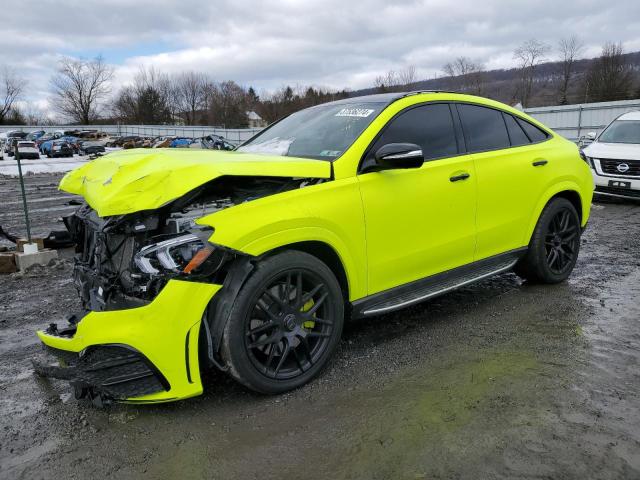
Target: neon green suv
250, 261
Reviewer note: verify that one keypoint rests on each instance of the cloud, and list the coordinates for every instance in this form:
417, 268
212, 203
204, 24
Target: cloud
269, 44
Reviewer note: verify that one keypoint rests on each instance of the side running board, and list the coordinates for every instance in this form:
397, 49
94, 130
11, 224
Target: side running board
429, 287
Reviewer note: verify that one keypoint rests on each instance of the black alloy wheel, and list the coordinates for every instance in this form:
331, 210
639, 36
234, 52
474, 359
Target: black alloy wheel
290, 325
286, 323
562, 241
554, 246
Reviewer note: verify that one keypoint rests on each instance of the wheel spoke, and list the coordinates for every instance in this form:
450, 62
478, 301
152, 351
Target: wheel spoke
285, 290
283, 358
272, 350
262, 328
273, 338
552, 257
275, 299
260, 304
307, 350
296, 355
321, 320
317, 304
298, 299
318, 334
309, 295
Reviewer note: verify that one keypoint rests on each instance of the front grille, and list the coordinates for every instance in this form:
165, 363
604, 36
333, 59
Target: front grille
625, 192
116, 371
610, 167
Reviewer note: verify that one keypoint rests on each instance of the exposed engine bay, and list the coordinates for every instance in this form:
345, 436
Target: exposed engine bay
124, 261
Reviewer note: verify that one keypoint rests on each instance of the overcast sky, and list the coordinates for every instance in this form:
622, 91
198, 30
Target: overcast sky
267, 44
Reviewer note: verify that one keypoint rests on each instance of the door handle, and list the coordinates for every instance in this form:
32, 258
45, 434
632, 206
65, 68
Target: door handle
540, 163
460, 176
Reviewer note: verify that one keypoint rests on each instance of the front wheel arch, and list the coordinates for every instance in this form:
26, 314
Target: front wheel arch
326, 254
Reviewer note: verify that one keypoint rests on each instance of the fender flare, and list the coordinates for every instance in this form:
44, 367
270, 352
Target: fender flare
217, 313
564, 186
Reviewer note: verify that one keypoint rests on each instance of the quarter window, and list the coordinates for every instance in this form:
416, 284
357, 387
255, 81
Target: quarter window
516, 134
484, 128
430, 126
533, 132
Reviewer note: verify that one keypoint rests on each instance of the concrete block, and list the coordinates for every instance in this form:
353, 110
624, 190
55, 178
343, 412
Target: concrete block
43, 257
7, 262
21, 241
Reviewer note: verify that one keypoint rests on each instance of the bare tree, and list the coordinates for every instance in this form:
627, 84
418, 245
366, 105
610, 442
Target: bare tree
12, 87
529, 55
465, 75
393, 81
228, 105
570, 49
190, 95
148, 100
79, 87
407, 76
610, 76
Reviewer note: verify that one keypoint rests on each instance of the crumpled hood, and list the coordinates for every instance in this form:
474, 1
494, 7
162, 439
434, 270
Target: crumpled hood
143, 179
617, 151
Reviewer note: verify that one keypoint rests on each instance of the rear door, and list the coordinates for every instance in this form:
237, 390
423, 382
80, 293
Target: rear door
419, 221
511, 162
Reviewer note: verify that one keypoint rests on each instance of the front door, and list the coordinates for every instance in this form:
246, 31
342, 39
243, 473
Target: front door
421, 221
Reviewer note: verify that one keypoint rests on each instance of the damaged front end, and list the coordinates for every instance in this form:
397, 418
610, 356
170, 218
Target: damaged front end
145, 280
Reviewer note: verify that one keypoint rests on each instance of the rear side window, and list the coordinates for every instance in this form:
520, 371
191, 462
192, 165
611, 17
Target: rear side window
430, 126
484, 128
516, 134
533, 132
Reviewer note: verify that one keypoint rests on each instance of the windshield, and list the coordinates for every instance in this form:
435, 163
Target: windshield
323, 132
622, 131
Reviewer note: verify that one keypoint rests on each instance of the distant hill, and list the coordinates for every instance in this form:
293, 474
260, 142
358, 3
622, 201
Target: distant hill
501, 84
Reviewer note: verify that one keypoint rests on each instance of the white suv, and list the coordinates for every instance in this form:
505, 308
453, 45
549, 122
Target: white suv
615, 157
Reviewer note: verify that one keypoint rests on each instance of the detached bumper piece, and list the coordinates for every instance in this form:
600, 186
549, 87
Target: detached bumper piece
106, 372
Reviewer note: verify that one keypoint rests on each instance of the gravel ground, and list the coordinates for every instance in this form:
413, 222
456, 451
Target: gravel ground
498, 380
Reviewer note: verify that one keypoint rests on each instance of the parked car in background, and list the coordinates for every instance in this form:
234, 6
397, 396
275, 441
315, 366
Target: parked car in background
28, 150
216, 142
46, 138
72, 141
33, 136
614, 157
90, 147
59, 148
9, 146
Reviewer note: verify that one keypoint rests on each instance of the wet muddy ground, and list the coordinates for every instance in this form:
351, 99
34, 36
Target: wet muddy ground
498, 380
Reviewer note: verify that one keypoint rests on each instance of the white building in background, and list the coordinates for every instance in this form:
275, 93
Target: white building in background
255, 120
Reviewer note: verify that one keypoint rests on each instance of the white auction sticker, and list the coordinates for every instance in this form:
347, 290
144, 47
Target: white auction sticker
354, 112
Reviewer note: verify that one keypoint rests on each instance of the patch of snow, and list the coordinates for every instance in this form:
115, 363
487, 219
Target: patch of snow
43, 165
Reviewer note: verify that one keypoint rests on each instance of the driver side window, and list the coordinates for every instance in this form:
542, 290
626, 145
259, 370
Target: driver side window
430, 126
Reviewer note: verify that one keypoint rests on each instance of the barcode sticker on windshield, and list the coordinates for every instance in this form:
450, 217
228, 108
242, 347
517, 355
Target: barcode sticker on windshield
354, 112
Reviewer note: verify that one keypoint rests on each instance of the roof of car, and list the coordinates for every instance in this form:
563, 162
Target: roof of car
384, 98
630, 116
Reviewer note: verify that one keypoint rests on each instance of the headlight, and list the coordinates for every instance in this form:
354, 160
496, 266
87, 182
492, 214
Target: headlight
588, 160
181, 254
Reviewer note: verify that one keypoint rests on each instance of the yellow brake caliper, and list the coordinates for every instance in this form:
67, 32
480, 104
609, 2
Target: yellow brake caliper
305, 308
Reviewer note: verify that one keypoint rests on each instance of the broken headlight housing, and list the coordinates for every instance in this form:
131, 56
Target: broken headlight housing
178, 255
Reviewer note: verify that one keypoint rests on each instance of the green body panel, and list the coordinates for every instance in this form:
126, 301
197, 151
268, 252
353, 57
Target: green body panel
158, 330
387, 228
143, 179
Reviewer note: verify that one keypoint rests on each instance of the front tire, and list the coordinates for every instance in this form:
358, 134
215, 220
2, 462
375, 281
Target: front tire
285, 323
555, 244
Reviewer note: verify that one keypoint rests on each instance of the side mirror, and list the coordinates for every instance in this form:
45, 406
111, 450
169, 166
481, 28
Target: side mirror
591, 135
399, 155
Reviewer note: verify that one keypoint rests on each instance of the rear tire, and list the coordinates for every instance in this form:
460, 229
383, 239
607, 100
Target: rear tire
285, 323
555, 244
